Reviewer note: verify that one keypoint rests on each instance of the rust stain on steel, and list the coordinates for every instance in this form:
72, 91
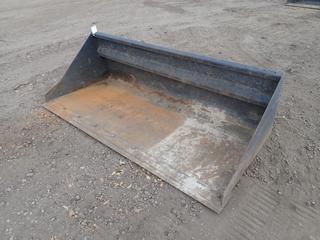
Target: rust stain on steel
124, 115
129, 82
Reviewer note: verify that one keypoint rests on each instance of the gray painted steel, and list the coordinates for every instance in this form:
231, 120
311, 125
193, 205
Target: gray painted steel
239, 90
313, 4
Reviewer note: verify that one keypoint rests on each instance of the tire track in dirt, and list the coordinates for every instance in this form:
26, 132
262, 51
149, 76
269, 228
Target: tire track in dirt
265, 213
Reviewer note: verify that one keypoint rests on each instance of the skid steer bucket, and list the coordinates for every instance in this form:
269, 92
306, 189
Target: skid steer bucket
194, 121
313, 4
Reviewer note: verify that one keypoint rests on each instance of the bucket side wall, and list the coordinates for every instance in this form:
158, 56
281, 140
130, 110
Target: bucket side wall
259, 137
86, 68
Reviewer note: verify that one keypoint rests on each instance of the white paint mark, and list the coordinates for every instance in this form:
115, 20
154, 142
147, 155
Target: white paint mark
93, 29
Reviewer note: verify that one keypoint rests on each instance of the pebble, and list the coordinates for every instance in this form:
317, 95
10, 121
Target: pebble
30, 174
77, 197
310, 203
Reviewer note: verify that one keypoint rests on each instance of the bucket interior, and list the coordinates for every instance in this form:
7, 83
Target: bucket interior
190, 137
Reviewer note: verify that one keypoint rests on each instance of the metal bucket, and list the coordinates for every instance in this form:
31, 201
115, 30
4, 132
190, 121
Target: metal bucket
194, 121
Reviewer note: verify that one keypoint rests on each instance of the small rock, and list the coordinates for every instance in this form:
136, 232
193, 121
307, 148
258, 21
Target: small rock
30, 173
137, 210
310, 203
71, 213
77, 197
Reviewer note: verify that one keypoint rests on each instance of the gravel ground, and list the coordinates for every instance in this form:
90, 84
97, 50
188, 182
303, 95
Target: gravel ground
58, 183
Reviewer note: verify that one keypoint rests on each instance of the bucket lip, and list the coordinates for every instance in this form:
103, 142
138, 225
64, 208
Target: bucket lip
265, 73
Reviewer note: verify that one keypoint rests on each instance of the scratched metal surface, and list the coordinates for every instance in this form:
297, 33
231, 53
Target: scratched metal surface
193, 145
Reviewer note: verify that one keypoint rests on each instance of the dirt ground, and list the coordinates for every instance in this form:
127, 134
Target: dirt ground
58, 183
